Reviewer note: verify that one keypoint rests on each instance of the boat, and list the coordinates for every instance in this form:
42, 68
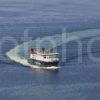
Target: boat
44, 58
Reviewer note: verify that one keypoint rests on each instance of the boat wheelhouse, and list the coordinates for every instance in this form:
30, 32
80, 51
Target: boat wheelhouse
44, 58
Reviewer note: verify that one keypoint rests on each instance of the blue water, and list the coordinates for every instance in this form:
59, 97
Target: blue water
74, 81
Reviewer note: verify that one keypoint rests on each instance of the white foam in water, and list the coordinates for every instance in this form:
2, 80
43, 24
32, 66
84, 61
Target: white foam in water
15, 56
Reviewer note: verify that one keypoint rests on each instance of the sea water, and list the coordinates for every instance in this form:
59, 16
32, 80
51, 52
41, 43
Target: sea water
76, 79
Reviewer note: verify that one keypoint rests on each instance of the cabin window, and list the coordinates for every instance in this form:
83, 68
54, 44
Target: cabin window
44, 56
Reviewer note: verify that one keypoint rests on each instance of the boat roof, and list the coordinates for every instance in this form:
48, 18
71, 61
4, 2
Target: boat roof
49, 54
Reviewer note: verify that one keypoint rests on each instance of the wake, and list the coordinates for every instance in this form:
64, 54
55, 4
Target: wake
19, 59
